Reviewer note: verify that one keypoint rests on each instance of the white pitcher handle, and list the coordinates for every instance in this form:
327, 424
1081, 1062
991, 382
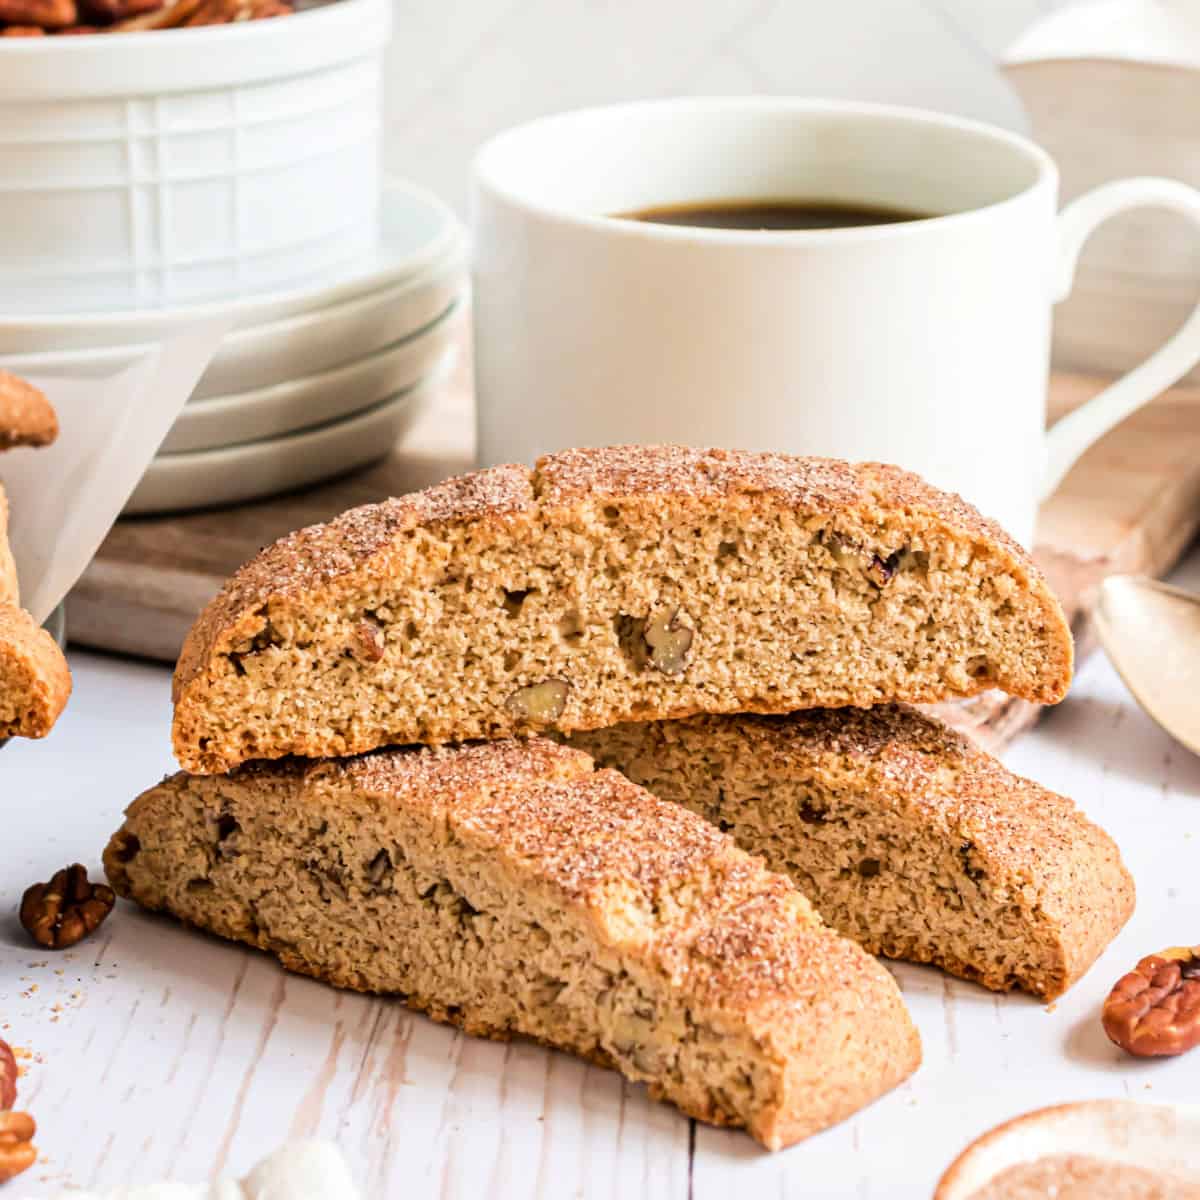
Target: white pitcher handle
1072, 435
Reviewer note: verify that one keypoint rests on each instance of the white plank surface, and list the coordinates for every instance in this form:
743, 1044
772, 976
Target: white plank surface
160, 1052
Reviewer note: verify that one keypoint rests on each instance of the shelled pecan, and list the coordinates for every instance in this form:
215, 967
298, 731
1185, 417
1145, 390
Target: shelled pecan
1155, 1009
68, 908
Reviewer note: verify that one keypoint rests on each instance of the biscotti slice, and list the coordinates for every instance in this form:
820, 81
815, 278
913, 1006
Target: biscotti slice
904, 835
608, 585
511, 889
27, 418
35, 682
10, 592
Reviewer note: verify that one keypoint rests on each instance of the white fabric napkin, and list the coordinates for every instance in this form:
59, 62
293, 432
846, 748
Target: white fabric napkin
65, 498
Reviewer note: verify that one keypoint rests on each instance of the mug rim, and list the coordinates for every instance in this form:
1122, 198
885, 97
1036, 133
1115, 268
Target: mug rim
485, 174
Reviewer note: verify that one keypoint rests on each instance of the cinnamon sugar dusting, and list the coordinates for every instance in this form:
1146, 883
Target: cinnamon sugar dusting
906, 754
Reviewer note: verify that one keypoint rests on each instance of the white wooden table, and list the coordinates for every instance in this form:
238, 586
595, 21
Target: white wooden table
157, 1052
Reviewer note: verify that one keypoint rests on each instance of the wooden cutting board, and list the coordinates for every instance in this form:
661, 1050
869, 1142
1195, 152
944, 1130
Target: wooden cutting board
1131, 504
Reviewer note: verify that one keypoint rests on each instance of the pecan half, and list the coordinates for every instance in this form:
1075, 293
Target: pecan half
1155, 1009
169, 16
662, 642
539, 703
64, 911
107, 11
368, 642
8, 1076
668, 641
49, 14
17, 1152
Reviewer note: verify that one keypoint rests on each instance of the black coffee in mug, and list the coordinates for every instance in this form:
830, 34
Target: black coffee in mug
773, 214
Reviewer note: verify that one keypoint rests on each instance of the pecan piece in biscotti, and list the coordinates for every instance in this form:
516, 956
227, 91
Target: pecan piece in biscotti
1154, 1011
540, 703
68, 908
368, 643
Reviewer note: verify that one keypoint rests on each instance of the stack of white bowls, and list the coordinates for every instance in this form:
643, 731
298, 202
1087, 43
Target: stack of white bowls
153, 179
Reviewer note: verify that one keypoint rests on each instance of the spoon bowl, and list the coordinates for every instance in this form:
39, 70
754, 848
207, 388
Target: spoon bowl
1151, 632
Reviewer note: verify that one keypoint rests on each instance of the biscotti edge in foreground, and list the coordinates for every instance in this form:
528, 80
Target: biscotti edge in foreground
905, 836
35, 681
629, 583
511, 889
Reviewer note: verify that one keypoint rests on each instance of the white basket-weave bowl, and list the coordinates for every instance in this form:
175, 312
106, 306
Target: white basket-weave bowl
172, 166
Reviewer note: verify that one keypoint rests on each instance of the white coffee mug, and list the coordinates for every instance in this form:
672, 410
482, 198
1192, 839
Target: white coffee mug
924, 343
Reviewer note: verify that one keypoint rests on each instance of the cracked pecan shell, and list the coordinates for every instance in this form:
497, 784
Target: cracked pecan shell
1154, 1011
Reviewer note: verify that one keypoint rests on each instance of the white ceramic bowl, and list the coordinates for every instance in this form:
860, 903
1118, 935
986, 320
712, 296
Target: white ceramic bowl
265, 355
314, 399
181, 164
208, 478
416, 231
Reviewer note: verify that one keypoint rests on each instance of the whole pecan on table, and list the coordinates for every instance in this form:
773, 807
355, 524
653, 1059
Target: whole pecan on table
64, 911
1155, 1009
17, 1151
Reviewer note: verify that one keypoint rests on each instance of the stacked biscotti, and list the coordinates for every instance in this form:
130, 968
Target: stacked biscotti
35, 682
731, 638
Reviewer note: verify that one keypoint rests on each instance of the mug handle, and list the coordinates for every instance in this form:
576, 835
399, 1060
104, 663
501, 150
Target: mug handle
1069, 437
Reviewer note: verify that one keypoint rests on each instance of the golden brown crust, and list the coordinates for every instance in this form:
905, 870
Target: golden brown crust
9, 590
817, 485
35, 681
27, 418
654, 884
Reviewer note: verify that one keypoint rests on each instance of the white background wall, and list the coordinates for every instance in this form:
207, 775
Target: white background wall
459, 70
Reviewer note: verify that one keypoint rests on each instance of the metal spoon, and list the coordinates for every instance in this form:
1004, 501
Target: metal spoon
1152, 634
